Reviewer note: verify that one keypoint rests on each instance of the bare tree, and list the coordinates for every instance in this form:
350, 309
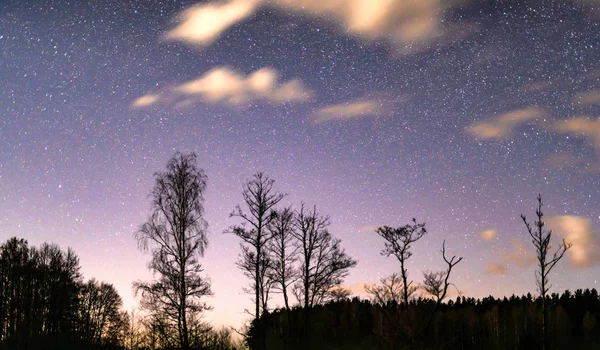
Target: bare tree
176, 235
324, 264
541, 242
389, 291
283, 253
436, 284
260, 199
133, 331
398, 243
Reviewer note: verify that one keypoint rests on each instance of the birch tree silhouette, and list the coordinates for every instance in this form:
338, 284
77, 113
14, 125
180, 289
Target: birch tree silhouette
176, 235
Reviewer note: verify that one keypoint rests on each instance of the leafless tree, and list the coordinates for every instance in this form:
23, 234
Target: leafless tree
324, 264
283, 252
133, 331
398, 243
390, 290
541, 241
260, 199
436, 284
176, 235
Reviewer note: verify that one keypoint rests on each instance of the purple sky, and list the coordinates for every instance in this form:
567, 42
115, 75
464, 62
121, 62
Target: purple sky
376, 112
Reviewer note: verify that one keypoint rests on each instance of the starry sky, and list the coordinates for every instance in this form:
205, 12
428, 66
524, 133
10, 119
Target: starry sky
454, 112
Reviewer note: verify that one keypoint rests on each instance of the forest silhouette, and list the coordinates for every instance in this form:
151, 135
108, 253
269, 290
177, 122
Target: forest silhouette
46, 304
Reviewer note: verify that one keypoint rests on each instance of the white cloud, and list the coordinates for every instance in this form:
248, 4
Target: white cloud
408, 24
577, 230
226, 85
203, 24
345, 111
145, 101
502, 126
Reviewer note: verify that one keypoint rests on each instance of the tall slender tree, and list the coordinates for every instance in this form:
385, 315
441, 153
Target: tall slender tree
260, 199
541, 241
324, 264
176, 235
284, 253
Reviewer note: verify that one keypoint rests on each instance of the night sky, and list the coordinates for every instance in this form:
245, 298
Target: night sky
454, 112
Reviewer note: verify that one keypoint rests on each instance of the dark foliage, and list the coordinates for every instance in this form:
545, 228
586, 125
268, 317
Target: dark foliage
44, 303
463, 323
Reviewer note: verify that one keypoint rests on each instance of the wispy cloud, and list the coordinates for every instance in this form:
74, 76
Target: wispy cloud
503, 126
578, 230
345, 111
145, 101
408, 24
587, 98
519, 255
576, 163
368, 228
581, 126
488, 235
539, 86
226, 85
205, 23
496, 268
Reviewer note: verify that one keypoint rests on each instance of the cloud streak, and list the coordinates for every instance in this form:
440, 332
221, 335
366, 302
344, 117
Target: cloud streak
145, 101
576, 163
581, 126
346, 111
503, 126
587, 98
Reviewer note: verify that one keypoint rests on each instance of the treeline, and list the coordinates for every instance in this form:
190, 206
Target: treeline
46, 304
284, 250
463, 323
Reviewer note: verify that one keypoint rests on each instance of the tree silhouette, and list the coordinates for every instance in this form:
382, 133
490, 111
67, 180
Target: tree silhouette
398, 242
324, 264
260, 199
176, 235
283, 253
541, 241
436, 284
99, 310
390, 291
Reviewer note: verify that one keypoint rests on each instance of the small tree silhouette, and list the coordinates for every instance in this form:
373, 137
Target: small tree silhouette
541, 242
398, 243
